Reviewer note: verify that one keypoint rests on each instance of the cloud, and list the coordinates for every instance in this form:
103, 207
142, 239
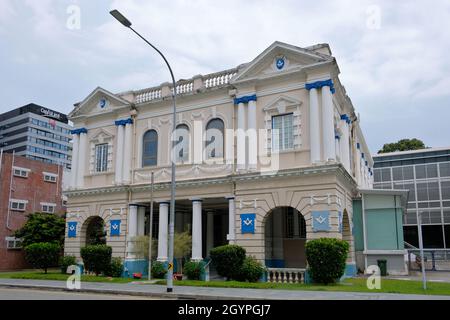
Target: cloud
390, 73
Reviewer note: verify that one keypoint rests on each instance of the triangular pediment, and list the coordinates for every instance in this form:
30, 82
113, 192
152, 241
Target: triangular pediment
277, 59
99, 101
102, 136
281, 104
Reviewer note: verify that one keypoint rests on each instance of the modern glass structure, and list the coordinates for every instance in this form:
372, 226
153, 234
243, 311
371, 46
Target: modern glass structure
426, 174
37, 133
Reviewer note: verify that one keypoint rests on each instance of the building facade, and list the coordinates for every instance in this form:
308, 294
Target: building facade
37, 133
426, 174
269, 155
26, 186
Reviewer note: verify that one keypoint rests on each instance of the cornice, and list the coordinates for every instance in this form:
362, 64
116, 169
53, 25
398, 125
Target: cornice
248, 177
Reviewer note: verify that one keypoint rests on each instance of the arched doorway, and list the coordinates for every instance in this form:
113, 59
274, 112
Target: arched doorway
285, 238
93, 231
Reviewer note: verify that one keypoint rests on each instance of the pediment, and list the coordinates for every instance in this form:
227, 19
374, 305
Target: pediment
280, 58
282, 104
99, 101
102, 136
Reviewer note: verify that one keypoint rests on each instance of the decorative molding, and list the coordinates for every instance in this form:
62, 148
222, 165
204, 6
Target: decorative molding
320, 84
78, 131
123, 122
245, 99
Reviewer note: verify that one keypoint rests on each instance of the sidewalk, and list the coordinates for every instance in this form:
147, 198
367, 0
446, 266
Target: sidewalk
202, 293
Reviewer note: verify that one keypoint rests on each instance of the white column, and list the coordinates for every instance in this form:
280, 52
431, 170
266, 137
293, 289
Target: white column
75, 150
231, 236
357, 165
128, 142
198, 142
337, 147
141, 221
328, 124
132, 229
314, 125
345, 145
162, 233
119, 154
252, 136
209, 232
81, 160
197, 230
241, 158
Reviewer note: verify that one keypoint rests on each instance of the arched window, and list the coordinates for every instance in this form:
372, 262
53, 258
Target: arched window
181, 143
214, 139
150, 149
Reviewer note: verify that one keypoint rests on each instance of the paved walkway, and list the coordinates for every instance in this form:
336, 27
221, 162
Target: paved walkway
183, 292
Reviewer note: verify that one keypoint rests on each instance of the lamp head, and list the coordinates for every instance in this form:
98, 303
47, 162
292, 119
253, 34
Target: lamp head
121, 18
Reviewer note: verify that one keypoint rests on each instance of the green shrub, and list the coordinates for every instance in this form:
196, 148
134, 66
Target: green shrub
67, 261
227, 260
158, 270
251, 270
326, 259
115, 268
43, 255
97, 258
193, 270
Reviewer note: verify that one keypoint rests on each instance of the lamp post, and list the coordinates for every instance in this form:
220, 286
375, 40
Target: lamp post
422, 258
124, 21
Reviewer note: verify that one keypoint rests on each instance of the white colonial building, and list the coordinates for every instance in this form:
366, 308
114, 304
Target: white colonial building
269, 155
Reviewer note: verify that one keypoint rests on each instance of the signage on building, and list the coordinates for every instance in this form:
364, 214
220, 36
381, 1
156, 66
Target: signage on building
72, 229
248, 222
50, 113
115, 227
320, 221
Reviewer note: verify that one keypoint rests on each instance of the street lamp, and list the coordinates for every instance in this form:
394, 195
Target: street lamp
121, 18
422, 257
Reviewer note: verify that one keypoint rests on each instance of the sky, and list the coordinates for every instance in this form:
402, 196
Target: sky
393, 55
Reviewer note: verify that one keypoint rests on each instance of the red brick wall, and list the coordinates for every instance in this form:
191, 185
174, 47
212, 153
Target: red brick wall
33, 189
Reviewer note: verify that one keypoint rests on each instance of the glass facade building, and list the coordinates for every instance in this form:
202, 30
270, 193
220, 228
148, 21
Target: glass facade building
37, 133
426, 174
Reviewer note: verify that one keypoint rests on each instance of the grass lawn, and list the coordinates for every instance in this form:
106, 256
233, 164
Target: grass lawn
57, 275
349, 285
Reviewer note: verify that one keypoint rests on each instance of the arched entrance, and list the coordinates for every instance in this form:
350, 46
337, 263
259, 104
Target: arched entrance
93, 231
285, 238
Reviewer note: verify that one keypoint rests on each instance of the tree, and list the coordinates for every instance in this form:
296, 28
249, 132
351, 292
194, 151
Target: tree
43, 255
42, 227
403, 145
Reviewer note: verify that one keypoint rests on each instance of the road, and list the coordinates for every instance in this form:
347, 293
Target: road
30, 294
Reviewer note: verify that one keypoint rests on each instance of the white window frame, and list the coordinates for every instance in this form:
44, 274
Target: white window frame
16, 243
45, 207
103, 158
276, 147
19, 203
280, 106
21, 172
50, 177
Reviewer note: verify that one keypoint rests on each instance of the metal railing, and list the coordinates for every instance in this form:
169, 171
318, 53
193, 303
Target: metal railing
434, 259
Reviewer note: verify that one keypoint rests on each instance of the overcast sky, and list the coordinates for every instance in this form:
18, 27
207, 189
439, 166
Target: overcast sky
394, 58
